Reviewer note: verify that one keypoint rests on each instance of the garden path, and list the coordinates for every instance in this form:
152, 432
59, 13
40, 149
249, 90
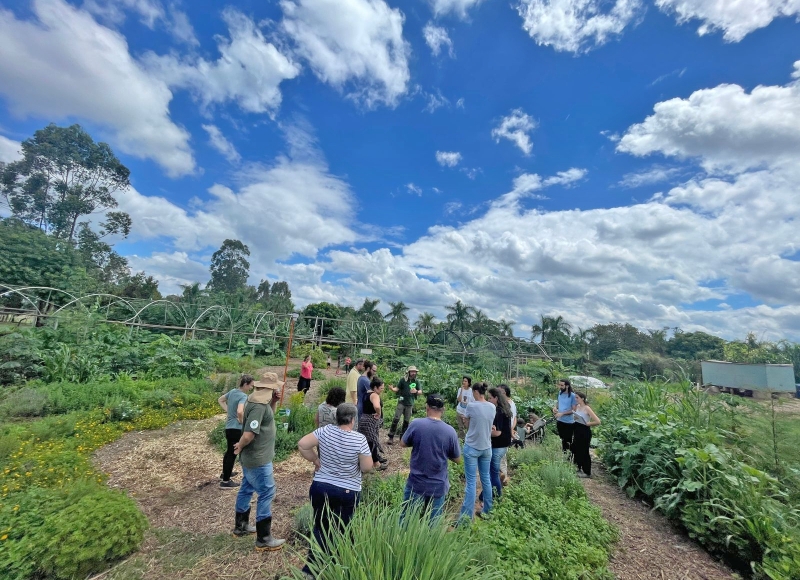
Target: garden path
650, 547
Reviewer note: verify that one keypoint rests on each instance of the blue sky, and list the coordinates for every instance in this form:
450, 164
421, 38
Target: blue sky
621, 161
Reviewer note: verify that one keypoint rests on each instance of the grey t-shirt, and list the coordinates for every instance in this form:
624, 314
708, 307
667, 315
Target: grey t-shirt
235, 397
327, 415
481, 418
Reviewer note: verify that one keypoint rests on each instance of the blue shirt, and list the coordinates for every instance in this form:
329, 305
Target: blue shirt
432, 444
565, 403
235, 397
363, 387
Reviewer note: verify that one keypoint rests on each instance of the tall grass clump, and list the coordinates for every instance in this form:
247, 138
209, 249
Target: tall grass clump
374, 546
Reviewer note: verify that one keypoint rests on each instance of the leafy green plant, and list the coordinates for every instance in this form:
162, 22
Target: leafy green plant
25, 402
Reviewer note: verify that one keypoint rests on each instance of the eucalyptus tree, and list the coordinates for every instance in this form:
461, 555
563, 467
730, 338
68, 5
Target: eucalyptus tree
64, 175
229, 267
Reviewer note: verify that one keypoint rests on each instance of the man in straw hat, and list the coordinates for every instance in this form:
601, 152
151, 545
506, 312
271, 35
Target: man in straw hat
407, 390
257, 450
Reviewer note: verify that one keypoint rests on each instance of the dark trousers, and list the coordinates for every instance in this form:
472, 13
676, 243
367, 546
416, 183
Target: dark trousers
404, 411
303, 384
333, 506
566, 432
580, 448
232, 436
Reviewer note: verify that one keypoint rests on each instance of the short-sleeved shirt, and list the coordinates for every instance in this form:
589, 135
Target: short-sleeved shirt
513, 406
352, 383
327, 414
362, 388
305, 369
339, 452
565, 403
481, 418
259, 420
235, 397
433, 443
404, 387
465, 397
503, 424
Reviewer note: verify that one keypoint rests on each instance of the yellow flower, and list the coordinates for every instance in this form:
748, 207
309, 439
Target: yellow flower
3, 538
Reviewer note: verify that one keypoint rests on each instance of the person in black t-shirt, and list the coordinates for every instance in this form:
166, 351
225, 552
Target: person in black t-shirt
501, 436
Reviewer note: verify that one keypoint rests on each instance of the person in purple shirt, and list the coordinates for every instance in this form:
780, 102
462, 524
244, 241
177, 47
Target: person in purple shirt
433, 442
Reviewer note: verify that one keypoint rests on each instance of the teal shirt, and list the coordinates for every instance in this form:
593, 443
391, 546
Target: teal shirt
235, 397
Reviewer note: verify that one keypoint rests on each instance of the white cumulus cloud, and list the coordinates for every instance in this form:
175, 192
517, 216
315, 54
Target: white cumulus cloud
249, 70
221, 144
10, 150
726, 127
457, 7
735, 19
436, 37
516, 128
448, 158
151, 12
576, 25
64, 65
354, 45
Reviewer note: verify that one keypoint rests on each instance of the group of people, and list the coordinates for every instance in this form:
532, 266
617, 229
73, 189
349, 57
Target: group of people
574, 422
346, 444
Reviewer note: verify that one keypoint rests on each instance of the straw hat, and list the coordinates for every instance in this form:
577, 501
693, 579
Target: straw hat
413, 369
264, 388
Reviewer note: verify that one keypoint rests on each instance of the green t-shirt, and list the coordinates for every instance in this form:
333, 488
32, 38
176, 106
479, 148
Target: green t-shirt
404, 387
259, 419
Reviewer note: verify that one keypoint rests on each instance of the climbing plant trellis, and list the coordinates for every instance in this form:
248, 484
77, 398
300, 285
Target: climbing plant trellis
193, 319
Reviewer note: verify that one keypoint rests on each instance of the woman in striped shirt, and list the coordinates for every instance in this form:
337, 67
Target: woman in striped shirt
340, 455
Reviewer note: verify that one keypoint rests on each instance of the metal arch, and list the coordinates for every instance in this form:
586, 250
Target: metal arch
79, 300
21, 295
137, 314
209, 309
444, 332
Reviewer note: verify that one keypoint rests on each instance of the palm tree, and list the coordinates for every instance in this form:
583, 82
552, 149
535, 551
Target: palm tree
397, 314
551, 328
192, 292
460, 316
480, 322
426, 323
369, 311
506, 327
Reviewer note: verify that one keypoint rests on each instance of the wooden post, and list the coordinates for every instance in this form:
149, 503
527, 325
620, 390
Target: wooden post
288, 353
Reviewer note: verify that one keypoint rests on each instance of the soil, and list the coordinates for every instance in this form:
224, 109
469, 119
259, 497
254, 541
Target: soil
650, 547
173, 476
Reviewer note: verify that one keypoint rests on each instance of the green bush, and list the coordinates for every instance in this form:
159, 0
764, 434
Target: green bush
543, 536
318, 357
325, 387
384, 491
216, 437
25, 402
375, 546
303, 521
285, 444
122, 410
667, 443
68, 533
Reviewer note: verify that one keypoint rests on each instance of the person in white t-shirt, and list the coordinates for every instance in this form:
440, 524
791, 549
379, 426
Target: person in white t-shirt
464, 397
342, 456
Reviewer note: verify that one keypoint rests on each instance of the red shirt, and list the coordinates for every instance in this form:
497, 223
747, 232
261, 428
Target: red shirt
305, 369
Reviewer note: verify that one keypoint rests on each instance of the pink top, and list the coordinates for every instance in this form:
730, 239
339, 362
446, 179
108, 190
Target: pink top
305, 369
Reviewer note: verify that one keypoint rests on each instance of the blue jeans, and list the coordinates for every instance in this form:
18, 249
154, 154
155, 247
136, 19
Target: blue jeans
426, 502
475, 460
494, 471
256, 480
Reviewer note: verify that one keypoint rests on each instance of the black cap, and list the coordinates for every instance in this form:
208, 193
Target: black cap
435, 401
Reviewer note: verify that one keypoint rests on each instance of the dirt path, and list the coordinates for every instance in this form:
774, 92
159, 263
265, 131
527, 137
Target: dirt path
650, 548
